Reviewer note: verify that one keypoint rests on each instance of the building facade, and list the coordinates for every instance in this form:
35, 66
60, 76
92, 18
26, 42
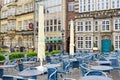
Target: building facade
97, 24
15, 18
55, 20
70, 15
16, 15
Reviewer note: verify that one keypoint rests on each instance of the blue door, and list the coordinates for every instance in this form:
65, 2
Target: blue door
106, 45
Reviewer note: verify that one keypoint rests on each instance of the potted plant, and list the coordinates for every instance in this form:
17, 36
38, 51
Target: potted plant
112, 48
2, 59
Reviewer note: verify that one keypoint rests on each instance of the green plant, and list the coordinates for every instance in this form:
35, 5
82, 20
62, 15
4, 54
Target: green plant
55, 52
3, 51
46, 53
32, 54
112, 47
16, 55
2, 57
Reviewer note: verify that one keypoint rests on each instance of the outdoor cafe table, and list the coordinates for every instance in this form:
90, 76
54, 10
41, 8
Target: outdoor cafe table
28, 62
7, 66
103, 62
102, 68
52, 65
29, 73
95, 78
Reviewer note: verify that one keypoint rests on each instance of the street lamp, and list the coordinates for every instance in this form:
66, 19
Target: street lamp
62, 32
11, 43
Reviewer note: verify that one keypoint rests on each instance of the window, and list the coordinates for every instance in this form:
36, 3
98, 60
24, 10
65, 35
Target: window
96, 42
9, 26
105, 25
71, 6
79, 26
55, 28
13, 11
31, 6
88, 26
26, 26
80, 42
117, 42
2, 28
88, 42
96, 25
26, 8
117, 24
13, 25
19, 9
113, 4
118, 3
20, 25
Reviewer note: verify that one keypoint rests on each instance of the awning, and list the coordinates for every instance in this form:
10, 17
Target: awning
53, 39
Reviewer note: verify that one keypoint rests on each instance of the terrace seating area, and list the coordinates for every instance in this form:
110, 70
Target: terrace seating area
80, 66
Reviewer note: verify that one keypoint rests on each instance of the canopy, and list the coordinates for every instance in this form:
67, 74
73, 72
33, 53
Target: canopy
53, 39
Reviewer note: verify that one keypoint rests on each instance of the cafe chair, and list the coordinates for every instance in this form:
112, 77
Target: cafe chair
65, 68
96, 73
7, 77
1, 72
52, 74
84, 69
115, 64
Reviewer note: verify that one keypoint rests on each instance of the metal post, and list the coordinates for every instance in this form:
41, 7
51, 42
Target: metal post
10, 42
62, 31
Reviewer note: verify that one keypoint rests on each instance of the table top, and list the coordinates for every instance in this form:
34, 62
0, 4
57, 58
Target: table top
29, 73
102, 68
52, 65
103, 62
7, 66
28, 62
95, 78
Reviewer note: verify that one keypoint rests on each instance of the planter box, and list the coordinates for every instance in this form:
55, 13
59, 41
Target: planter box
2, 62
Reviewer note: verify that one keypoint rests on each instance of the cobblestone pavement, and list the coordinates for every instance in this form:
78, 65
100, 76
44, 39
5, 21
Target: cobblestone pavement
75, 74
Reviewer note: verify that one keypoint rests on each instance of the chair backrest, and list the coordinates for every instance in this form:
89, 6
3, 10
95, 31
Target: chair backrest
52, 74
21, 66
65, 66
95, 72
48, 59
7, 77
84, 69
102, 58
114, 63
1, 72
80, 60
75, 64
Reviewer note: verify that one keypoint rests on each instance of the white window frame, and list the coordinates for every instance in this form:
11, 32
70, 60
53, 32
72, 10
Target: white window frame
105, 26
80, 41
88, 42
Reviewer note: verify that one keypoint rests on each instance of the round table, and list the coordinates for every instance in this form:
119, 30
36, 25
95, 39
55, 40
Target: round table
103, 62
95, 78
29, 73
102, 68
52, 65
28, 62
7, 66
